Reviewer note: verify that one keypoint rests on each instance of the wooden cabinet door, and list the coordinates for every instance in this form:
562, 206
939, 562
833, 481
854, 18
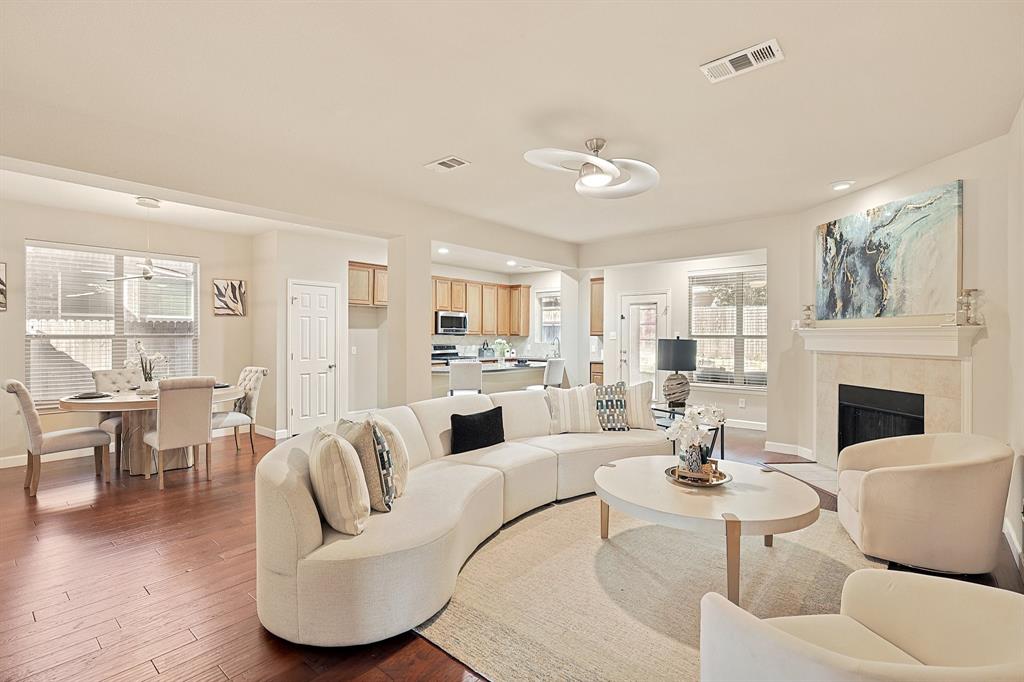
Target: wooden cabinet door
380, 286
489, 309
459, 297
597, 306
504, 308
474, 303
442, 294
360, 284
597, 373
524, 310
515, 325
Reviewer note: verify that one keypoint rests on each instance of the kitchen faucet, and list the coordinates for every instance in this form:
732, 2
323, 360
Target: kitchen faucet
558, 347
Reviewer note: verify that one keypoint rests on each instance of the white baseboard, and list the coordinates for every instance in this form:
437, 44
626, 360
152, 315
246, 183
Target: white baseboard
790, 449
260, 430
1015, 546
744, 424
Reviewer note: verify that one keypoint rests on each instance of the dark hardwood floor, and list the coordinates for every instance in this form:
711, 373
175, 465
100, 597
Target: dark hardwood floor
123, 582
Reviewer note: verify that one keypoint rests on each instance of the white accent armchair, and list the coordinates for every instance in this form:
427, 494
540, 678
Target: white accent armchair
934, 501
891, 627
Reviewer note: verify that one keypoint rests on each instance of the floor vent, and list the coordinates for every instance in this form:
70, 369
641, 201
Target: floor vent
448, 163
740, 62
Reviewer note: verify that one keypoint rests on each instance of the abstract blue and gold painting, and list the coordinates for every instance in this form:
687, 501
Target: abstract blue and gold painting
896, 260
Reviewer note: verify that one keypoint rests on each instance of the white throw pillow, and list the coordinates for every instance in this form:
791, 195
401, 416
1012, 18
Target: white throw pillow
574, 410
638, 406
338, 483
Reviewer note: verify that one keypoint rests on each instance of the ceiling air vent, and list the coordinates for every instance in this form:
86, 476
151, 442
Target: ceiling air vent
749, 59
448, 163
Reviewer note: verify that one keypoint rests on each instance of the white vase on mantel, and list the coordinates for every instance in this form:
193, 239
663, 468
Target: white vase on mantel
147, 388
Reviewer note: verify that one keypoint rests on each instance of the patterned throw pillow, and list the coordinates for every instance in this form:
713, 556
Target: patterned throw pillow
574, 410
399, 453
339, 486
375, 456
611, 407
638, 406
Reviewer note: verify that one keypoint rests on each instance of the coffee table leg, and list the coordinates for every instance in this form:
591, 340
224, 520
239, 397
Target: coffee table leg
732, 556
768, 540
604, 520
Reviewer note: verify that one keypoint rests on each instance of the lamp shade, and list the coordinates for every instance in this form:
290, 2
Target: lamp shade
677, 355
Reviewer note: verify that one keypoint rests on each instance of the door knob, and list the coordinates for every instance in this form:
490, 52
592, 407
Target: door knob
331, 366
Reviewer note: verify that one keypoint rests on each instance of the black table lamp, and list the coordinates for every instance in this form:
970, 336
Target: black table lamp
677, 355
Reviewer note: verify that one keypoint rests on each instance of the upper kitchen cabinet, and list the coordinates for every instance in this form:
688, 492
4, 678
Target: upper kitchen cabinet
442, 294
380, 285
360, 283
458, 297
519, 310
489, 309
504, 308
597, 306
474, 307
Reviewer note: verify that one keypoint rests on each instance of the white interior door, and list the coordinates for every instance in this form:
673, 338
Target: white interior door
312, 355
644, 320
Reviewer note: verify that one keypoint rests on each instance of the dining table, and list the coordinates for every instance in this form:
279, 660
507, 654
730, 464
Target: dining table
138, 415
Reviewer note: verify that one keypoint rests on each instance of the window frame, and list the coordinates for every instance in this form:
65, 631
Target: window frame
539, 315
119, 339
739, 337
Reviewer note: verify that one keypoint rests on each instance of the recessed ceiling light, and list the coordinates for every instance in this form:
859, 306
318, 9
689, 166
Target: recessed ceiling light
840, 185
510, 263
147, 202
443, 250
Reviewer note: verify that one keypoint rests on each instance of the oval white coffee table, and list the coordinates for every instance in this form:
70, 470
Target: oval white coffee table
755, 502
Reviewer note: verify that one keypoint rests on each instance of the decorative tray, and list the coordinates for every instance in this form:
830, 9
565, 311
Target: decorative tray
683, 478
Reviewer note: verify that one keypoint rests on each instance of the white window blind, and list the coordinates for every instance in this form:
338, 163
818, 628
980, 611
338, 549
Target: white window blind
76, 321
729, 320
549, 305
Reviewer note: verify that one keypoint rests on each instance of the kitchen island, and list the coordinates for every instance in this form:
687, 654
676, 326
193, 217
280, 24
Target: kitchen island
497, 377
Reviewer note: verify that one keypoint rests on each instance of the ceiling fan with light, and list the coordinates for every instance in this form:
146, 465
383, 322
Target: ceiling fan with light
149, 271
597, 177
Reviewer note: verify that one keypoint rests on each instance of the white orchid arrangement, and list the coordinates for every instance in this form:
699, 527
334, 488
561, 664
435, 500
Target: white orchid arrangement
500, 347
689, 432
147, 362
708, 415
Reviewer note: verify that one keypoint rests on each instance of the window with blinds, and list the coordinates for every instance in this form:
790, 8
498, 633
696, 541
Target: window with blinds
77, 321
729, 320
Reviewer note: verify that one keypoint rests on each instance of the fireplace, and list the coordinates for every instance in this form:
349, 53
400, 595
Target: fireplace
872, 413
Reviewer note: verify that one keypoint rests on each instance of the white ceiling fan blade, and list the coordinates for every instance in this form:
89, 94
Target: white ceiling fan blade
179, 273
637, 177
126, 277
87, 293
550, 158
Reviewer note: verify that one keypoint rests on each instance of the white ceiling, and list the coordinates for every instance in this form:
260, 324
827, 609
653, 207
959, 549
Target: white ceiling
372, 91
489, 261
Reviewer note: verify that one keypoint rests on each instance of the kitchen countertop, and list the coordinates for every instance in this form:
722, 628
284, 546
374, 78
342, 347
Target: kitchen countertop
494, 367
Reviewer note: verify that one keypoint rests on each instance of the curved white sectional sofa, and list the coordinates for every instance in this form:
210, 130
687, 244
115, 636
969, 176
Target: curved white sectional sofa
317, 586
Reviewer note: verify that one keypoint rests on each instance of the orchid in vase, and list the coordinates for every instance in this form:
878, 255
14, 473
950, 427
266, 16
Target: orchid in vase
693, 441
147, 364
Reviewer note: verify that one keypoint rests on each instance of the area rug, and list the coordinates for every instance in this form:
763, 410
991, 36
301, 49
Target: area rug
547, 599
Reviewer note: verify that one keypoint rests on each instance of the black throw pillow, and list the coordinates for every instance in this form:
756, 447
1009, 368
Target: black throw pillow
475, 431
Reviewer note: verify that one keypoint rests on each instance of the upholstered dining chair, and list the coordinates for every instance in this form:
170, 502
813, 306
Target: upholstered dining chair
40, 443
244, 411
183, 419
116, 381
554, 368
465, 376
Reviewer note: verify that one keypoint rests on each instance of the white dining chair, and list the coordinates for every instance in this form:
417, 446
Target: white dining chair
116, 381
243, 412
553, 371
465, 376
40, 443
183, 420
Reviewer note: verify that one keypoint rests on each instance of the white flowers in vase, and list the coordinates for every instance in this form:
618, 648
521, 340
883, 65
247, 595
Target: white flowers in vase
708, 415
147, 362
500, 347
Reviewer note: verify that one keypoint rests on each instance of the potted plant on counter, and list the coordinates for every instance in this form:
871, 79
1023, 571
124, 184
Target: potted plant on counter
500, 350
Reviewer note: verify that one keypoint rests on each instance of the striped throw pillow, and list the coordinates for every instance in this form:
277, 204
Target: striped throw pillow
638, 406
611, 407
338, 483
574, 410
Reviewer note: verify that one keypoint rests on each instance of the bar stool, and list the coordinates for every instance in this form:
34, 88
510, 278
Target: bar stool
553, 371
465, 376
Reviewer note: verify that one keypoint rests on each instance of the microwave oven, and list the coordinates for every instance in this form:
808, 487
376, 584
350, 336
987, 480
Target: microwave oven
452, 323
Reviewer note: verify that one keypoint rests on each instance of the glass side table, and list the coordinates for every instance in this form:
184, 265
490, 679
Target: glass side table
670, 413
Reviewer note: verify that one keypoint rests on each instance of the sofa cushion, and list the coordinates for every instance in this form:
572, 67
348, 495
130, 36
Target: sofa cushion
638, 406
611, 407
478, 430
529, 474
525, 413
375, 456
573, 410
580, 454
849, 486
843, 635
435, 418
405, 421
399, 453
339, 486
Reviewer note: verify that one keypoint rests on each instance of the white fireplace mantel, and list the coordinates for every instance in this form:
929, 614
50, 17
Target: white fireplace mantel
942, 341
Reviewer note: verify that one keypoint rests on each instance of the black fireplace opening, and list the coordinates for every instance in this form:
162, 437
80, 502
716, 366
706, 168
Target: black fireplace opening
872, 413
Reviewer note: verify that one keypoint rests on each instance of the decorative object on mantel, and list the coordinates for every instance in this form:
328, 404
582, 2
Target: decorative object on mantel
901, 259
808, 319
229, 297
967, 307
3, 287
677, 355
146, 363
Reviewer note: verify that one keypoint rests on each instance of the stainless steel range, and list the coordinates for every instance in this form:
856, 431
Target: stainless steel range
447, 352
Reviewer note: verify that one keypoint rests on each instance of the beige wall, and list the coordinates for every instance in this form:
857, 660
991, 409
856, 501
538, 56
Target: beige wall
1015, 305
225, 343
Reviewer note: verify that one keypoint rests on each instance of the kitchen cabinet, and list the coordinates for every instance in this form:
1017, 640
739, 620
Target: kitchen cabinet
504, 310
458, 297
597, 306
597, 373
474, 309
489, 309
442, 294
360, 283
519, 310
380, 285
